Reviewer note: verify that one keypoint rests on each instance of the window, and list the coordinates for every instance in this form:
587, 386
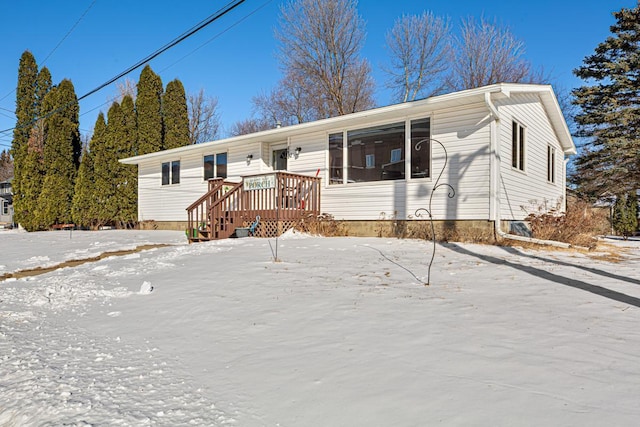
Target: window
517, 146
420, 148
370, 160
378, 153
209, 167
215, 166
5, 207
221, 165
166, 171
175, 172
369, 153
335, 158
171, 172
551, 164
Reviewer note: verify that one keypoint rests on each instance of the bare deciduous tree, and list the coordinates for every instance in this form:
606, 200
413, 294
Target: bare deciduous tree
247, 126
6, 166
419, 47
486, 54
321, 41
124, 88
295, 100
204, 118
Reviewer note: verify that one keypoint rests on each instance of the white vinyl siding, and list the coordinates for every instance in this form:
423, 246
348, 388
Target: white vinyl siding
522, 193
463, 126
465, 134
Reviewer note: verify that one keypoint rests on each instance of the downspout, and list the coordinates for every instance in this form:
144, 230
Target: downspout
494, 190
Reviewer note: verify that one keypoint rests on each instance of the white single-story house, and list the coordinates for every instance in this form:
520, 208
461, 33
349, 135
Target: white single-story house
506, 151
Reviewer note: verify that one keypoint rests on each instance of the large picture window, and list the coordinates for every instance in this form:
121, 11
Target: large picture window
171, 172
420, 148
372, 153
379, 153
215, 166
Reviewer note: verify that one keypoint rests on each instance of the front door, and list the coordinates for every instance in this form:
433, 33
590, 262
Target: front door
279, 159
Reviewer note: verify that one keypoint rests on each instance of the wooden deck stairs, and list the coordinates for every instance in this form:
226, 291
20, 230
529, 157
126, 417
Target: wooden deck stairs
280, 199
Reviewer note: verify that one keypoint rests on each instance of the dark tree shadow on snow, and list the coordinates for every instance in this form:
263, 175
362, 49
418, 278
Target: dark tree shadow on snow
614, 276
573, 283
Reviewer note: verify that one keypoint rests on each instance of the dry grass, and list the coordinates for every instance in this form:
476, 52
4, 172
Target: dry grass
579, 226
321, 225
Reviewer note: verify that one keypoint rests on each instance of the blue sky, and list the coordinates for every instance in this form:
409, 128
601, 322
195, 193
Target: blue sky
233, 58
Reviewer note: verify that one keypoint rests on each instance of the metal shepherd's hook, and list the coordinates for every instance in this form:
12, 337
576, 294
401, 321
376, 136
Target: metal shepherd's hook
421, 211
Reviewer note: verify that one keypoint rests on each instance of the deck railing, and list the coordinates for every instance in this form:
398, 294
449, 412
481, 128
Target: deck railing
278, 198
198, 218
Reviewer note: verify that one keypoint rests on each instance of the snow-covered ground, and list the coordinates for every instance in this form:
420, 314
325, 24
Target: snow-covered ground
339, 332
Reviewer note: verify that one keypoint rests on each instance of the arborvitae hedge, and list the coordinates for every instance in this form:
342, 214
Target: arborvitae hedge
149, 112
61, 154
176, 116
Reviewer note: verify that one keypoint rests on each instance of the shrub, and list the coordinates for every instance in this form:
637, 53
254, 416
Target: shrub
578, 226
321, 225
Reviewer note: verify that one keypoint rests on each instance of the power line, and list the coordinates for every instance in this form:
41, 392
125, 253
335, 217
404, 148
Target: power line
212, 18
60, 42
194, 50
217, 15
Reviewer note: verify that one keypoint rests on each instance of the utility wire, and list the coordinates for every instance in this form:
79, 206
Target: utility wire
194, 50
59, 43
221, 12
217, 15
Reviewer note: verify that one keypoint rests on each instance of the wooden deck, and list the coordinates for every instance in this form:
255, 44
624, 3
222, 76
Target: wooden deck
280, 199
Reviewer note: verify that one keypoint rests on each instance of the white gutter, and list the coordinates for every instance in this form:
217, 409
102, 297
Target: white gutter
494, 190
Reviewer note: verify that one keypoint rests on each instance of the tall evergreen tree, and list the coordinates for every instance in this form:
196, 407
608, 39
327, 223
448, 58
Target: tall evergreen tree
103, 176
176, 116
149, 112
84, 191
43, 86
625, 215
108, 167
609, 117
33, 172
61, 154
127, 179
25, 116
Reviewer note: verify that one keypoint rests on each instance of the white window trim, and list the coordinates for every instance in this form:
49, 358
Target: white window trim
170, 183
520, 166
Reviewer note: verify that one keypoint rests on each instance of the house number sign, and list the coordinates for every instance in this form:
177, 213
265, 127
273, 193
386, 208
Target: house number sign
262, 182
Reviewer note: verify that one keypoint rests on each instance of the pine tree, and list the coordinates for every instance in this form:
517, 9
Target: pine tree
25, 115
61, 154
176, 116
625, 215
127, 179
149, 112
609, 115
102, 175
